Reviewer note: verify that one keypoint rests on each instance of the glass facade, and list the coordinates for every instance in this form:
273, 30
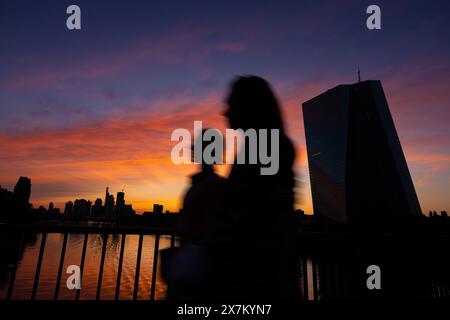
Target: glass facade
356, 164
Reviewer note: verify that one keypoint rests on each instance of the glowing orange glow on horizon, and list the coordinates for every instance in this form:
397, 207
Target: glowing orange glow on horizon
134, 151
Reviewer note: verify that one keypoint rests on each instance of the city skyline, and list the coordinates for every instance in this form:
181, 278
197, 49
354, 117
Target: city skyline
80, 111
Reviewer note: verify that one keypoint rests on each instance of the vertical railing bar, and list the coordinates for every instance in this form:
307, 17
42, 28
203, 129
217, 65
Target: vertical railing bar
314, 272
172, 240
61, 265
444, 288
138, 267
432, 288
336, 272
83, 257
155, 267
119, 270
305, 278
12, 278
38, 266
102, 263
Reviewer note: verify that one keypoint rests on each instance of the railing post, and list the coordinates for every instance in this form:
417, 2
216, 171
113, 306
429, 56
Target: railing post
119, 270
38, 267
172, 240
83, 258
315, 275
155, 267
102, 263
138, 268
305, 277
61, 265
12, 278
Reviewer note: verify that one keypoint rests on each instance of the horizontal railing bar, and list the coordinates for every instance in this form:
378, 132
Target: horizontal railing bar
86, 229
311, 235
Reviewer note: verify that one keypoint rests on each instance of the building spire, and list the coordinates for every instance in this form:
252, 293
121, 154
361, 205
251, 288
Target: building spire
359, 75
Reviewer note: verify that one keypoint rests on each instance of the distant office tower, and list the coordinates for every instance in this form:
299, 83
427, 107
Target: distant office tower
128, 211
82, 208
122, 209
97, 208
22, 192
106, 196
120, 200
158, 208
68, 209
357, 168
109, 206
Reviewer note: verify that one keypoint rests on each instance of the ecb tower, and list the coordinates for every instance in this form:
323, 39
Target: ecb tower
357, 168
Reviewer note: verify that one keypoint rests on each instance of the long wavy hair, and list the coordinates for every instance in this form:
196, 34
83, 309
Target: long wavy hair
253, 104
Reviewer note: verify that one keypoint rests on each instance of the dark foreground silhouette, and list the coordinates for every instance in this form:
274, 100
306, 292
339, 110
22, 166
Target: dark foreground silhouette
238, 237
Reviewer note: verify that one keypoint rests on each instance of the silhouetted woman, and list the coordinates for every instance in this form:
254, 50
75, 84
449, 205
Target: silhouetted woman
187, 269
260, 262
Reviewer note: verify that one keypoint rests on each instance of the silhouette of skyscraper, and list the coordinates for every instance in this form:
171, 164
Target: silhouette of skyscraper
97, 208
357, 168
109, 206
22, 193
106, 196
158, 209
82, 208
68, 209
120, 200
122, 210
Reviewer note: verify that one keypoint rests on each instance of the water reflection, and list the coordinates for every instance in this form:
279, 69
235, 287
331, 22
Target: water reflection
27, 267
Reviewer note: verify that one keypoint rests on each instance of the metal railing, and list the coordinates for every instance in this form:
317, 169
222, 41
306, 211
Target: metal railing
328, 262
86, 231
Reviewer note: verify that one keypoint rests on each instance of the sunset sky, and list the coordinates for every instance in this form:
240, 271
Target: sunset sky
81, 110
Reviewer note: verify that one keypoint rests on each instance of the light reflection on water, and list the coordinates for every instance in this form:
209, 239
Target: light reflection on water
49, 271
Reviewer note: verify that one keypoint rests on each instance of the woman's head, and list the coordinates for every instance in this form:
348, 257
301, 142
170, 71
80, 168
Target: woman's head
252, 104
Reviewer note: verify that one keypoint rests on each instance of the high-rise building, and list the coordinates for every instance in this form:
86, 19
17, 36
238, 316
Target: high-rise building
357, 168
82, 208
109, 206
158, 209
22, 193
122, 210
120, 199
97, 208
68, 209
106, 196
